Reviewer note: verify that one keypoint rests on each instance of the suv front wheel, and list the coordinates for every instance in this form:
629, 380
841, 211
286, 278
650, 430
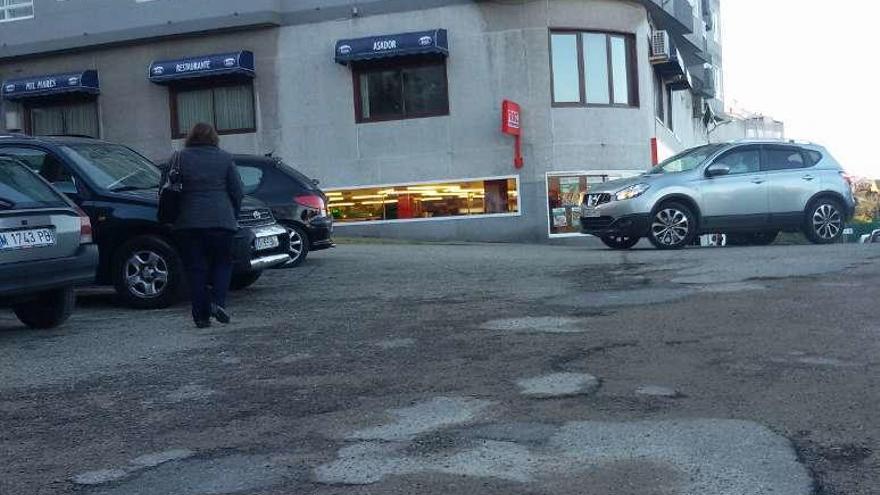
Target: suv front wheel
673, 226
824, 221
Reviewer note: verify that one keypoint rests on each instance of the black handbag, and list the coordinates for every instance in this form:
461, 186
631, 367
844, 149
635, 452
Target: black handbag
171, 193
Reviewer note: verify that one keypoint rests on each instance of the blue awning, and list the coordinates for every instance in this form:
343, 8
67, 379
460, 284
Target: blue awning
217, 65
392, 45
53, 84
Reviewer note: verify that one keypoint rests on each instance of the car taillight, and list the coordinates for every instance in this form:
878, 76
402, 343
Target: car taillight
85, 228
311, 201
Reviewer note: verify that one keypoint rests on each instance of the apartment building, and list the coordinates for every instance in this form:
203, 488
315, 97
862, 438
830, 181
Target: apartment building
396, 107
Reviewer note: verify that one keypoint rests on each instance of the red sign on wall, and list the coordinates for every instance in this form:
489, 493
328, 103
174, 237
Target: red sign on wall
511, 125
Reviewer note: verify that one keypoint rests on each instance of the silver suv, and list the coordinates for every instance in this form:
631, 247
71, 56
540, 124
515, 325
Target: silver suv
750, 190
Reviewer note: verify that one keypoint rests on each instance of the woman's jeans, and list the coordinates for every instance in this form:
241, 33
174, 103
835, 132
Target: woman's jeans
207, 254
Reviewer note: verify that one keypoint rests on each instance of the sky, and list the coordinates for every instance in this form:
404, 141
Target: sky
812, 64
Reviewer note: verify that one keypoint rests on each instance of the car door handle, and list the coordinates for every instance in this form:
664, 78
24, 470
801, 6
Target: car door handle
757, 181
808, 178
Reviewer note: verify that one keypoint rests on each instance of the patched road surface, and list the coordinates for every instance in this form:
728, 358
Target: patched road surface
473, 369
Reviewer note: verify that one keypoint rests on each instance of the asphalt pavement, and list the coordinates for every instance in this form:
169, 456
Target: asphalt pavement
467, 369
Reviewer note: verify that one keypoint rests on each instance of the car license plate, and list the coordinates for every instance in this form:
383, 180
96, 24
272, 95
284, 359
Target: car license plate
587, 212
26, 239
264, 243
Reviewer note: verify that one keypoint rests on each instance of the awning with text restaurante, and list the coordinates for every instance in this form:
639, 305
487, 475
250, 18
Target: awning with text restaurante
205, 66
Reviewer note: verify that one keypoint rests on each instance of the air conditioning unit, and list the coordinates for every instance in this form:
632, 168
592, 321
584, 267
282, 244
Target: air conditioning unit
661, 48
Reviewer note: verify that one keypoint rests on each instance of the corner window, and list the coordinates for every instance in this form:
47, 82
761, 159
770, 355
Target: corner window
593, 69
426, 201
229, 108
62, 118
400, 90
16, 10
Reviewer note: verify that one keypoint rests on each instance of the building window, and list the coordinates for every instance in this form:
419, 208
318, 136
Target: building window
400, 90
659, 100
16, 10
663, 102
564, 193
593, 69
229, 108
54, 119
426, 201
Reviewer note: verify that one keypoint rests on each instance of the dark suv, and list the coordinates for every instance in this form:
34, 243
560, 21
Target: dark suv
295, 199
45, 248
118, 189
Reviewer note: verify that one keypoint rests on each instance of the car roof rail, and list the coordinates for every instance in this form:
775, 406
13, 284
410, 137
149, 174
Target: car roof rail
772, 141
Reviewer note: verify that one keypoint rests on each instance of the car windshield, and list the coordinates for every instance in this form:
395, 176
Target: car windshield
687, 160
114, 167
21, 189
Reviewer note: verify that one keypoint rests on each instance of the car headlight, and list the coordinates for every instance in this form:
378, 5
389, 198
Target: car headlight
631, 192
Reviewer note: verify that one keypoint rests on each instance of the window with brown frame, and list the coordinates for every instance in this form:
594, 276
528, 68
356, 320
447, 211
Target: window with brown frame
228, 107
400, 89
62, 116
593, 69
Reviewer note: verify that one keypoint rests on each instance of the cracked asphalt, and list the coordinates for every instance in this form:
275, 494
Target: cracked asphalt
467, 368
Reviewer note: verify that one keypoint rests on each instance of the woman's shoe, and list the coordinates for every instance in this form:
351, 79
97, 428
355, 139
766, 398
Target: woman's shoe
219, 313
203, 324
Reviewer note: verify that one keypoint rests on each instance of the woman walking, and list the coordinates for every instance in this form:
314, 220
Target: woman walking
207, 221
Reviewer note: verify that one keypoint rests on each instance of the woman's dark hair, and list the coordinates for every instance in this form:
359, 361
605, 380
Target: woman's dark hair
202, 134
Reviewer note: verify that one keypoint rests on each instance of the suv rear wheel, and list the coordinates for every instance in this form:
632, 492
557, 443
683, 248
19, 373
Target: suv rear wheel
673, 226
48, 310
148, 273
824, 221
619, 242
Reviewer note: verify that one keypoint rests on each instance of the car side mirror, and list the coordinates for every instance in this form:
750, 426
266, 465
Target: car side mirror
68, 188
717, 170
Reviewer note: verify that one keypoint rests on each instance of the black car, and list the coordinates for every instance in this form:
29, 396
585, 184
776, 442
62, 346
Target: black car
46, 248
295, 199
118, 189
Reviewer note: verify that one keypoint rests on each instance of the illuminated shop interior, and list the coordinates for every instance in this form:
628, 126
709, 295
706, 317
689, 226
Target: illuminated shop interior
425, 200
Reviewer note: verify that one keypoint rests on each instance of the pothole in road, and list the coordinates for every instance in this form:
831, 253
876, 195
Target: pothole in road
539, 324
395, 343
559, 385
294, 358
658, 391
635, 297
721, 457
424, 417
230, 474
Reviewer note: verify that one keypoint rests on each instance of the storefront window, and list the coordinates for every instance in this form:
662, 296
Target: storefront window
564, 193
466, 198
